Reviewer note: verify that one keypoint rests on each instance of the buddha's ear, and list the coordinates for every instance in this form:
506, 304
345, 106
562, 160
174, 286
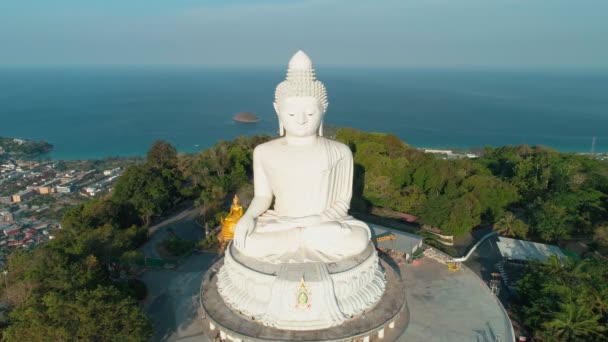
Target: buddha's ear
321, 129
281, 128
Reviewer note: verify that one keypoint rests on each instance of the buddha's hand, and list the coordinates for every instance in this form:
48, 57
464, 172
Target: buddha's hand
302, 221
242, 230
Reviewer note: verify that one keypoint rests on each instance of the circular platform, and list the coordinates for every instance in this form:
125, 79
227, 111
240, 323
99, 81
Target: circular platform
387, 319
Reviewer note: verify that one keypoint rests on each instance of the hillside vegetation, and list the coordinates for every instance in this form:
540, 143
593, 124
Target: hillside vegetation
67, 290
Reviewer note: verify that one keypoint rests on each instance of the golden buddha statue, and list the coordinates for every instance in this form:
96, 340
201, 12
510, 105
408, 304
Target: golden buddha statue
229, 223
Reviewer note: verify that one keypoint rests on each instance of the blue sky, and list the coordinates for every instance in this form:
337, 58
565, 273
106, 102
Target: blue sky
380, 33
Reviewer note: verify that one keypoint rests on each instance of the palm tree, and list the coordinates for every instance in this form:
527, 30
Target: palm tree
596, 299
575, 322
510, 225
601, 235
601, 301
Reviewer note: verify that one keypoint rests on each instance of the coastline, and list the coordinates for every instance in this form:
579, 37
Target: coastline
425, 108
441, 149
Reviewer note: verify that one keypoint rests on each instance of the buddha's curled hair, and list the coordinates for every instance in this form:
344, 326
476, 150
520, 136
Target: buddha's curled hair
301, 81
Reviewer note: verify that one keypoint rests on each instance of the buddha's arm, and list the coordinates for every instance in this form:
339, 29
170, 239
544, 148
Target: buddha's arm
342, 188
260, 203
258, 206
262, 198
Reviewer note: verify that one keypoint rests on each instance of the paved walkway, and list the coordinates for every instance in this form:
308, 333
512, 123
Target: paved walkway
449, 305
173, 299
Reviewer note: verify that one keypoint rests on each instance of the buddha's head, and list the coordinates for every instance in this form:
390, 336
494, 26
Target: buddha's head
300, 100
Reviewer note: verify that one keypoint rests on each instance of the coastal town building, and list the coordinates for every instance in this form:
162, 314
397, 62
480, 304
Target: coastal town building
6, 216
11, 229
42, 190
41, 226
7, 166
23, 195
449, 154
91, 190
430, 150
29, 164
20, 213
46, 188
63, 189
85, 174
112, 172
24, 232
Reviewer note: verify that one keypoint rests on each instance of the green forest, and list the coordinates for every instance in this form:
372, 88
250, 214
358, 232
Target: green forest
66, 289
522, 191
565, 300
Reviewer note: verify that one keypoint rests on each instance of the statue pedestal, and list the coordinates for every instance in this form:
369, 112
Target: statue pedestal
385, 319
304, 295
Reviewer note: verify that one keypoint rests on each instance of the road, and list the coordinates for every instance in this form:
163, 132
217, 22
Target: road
173, 294
184, 226
173, 299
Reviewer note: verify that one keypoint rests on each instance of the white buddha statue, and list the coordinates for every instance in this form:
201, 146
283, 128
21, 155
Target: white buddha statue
305, 264
310, 178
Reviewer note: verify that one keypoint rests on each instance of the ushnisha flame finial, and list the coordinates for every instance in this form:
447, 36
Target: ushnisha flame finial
300, 61
301, 81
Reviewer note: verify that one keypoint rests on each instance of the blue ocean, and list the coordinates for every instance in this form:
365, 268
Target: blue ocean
96, 112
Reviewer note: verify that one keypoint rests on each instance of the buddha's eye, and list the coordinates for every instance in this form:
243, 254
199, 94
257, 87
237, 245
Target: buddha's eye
310, 114
291, 114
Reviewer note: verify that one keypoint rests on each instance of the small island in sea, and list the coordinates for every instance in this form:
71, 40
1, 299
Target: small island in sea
15, 147
245, 117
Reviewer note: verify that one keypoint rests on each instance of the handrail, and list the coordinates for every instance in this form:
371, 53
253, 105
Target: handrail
466, 257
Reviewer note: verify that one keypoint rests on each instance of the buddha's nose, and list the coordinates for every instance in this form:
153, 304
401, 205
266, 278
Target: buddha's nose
301, 118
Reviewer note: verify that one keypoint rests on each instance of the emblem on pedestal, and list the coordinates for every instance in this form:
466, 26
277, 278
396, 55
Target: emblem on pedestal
303, 296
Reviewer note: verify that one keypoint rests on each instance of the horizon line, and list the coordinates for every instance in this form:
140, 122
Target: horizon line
510, 68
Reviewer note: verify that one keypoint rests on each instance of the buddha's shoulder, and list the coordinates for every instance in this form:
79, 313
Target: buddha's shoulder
273, 145
266, 148
342, 149
269, 145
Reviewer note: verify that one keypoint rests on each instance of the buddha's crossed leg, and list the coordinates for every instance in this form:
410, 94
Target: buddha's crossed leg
331, 239
336, 238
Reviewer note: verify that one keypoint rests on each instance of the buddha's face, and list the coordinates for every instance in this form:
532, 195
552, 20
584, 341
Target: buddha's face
300, 116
